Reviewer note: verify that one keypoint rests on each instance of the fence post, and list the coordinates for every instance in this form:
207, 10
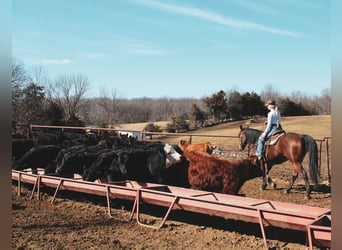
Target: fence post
327, 157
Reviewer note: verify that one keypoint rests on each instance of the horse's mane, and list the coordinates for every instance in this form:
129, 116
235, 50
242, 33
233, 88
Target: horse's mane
252, 134
252, 129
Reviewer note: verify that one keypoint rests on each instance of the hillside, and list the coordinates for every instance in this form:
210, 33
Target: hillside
317, 126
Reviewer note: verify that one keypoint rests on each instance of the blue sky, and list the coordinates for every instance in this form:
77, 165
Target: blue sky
178, 48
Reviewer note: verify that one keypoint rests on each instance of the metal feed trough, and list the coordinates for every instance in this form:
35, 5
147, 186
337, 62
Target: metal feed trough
313, 220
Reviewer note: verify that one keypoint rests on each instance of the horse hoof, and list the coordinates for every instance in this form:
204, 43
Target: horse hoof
307, 197
287, 191
263, 188
274, 186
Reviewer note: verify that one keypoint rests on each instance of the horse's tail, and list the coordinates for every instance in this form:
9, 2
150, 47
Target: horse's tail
312, 149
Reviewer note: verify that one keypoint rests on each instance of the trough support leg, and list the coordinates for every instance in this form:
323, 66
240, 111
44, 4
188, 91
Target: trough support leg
108, 202
58, 187
261, 219
309, 238
136, 206
36, 184
19, 184
133, 208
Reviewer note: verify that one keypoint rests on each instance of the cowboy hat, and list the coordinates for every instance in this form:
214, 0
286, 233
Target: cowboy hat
270, 102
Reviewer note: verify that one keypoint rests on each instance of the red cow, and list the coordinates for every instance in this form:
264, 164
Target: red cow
211, 173
201, 146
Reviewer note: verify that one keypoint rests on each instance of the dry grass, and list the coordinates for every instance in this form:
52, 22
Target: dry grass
317, 126
141, 126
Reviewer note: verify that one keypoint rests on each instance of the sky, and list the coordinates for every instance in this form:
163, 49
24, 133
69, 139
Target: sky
178, 48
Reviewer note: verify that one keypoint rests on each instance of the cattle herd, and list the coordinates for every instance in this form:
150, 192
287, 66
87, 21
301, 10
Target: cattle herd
114, 157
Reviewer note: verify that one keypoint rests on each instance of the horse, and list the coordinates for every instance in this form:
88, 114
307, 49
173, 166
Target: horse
248, 137
290, 146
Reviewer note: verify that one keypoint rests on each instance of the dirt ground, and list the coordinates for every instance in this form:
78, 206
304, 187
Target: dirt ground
78, 221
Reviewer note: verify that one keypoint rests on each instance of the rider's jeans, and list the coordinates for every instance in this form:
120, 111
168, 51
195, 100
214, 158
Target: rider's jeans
261, 140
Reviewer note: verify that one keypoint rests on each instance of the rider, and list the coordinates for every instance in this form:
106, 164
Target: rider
273, 124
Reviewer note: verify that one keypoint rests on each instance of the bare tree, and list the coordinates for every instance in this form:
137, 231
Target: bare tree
269, 92
19, 74
110, 107
19, 80
68, 91
326, 101
39, 76
323, 103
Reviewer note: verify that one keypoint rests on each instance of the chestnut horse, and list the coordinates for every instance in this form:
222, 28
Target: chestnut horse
292, 147
248, 137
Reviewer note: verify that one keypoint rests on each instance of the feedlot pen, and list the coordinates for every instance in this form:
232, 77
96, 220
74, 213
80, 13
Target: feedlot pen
313, 220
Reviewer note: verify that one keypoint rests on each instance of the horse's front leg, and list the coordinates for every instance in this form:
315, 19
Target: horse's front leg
264, 181
264, 168
270, 181
266, 178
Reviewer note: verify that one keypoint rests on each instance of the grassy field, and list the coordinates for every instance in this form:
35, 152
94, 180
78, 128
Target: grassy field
317, 126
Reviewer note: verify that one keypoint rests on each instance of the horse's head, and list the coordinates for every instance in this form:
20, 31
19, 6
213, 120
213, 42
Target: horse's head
242, 138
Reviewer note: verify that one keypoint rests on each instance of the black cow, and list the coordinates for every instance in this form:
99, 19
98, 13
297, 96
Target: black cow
177, 174
104, 167
20, 147
37, 157
66, 150
142, 162
76, 161
47, 138
146, 165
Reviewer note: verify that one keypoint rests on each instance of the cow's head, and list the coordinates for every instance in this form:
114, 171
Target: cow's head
172, 156
120, 162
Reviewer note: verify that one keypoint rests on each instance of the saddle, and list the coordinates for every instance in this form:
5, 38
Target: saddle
272, 140
275, 137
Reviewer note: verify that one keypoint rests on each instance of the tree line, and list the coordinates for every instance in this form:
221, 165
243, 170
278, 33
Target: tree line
36, 99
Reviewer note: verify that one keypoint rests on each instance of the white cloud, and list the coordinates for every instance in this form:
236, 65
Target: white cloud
58, 61
134, 46
143, 50
222, 44
216, 18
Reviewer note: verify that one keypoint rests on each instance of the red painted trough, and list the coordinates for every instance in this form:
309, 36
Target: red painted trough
313, 220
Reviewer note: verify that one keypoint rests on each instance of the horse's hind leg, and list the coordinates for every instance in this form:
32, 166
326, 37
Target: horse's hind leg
305, 177
307, 184
294, 177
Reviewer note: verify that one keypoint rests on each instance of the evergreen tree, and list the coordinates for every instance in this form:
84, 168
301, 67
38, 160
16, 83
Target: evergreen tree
234, 105
32, 111
217, 106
